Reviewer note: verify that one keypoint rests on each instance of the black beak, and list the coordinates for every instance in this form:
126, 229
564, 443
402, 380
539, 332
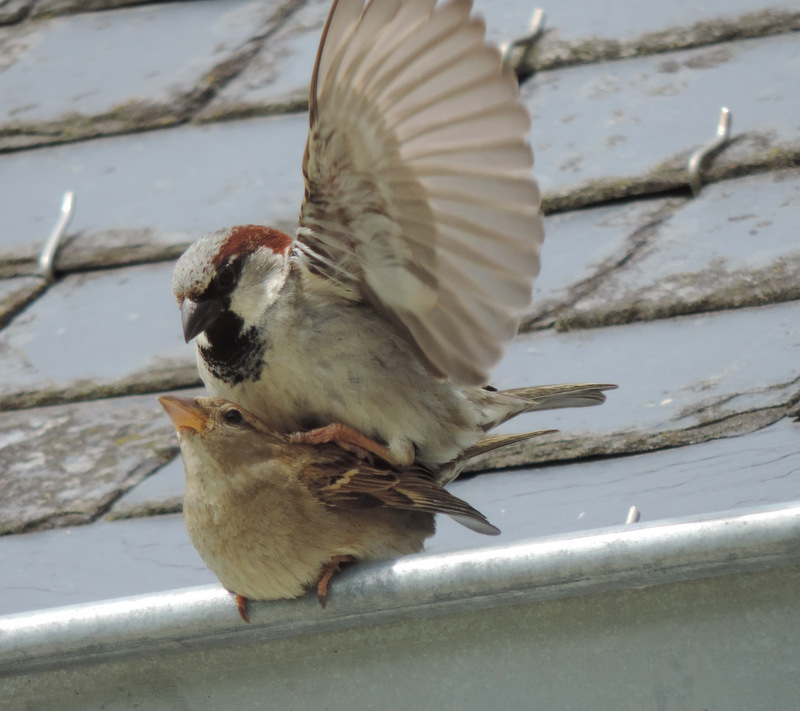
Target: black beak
197, 316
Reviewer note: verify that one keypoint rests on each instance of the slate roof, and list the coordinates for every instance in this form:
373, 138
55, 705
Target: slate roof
169, 120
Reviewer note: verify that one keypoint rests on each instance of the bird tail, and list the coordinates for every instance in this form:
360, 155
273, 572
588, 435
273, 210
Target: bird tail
491, 442
451, 470
506, 404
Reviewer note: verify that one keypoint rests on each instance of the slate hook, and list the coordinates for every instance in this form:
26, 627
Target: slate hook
48, 256
702, 154
633, 515
526, 43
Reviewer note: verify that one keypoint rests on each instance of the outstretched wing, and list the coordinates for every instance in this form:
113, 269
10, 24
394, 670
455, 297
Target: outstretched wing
361, 486
417, 169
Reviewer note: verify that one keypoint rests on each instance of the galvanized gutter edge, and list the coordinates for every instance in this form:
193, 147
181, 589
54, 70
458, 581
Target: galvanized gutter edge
637, 555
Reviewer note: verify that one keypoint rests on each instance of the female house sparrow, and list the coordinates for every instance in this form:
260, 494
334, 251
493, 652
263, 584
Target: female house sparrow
417, 247
271, 518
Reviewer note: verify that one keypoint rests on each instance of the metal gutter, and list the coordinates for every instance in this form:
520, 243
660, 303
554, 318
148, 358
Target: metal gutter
637, 555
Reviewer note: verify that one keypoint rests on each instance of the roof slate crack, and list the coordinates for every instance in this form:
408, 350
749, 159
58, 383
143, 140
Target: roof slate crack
584, 288
15, 11
170, 505
613, 444
55, 8
154, 380
777, 282
14, 304
745, 154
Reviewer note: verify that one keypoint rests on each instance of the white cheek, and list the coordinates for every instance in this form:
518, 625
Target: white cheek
250, 302
255, 295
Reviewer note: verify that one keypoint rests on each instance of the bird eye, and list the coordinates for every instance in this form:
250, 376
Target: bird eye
233, 417
225, 277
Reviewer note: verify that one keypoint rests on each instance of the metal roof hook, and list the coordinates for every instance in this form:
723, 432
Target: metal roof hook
518, 60
709, 150
48, 256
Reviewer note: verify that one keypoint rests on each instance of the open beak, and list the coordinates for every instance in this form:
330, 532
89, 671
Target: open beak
184, 412
197, 316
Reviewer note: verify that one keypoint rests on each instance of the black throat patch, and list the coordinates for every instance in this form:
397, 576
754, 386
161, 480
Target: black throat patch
234, 354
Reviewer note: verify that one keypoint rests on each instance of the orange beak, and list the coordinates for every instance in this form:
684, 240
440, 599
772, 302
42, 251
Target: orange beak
184, 412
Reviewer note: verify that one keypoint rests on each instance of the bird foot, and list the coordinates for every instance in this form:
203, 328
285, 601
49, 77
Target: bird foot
345, 437
241, 605
328, 571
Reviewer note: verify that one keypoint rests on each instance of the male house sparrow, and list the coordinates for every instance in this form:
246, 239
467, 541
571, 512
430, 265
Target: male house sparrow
271, 518
418, 243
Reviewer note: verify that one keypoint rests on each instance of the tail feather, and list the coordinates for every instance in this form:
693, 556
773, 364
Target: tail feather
544, 397
450, 471
490, 442
501, 406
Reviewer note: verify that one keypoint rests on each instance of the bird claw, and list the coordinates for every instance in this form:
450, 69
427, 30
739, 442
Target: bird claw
328, 571
346, 438
241, 605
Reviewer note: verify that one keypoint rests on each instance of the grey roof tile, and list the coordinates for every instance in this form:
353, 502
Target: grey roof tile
277, 79
49, 8
93, 335
12, 11
103, 560
113, 559
626, 128
577, 32
147, 196
620, 20
162, 492
736, 245
85, 75
583, 247
755, 469
66, 464
15, 294
682, 380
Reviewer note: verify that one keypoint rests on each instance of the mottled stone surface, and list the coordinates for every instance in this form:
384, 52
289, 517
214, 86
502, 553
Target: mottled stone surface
96, 334
625, 128
150, 554
147, 195
66, 464
736, 245
85, 75
161, 492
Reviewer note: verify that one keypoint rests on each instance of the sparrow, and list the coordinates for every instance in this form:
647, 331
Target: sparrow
272, 518
379, 322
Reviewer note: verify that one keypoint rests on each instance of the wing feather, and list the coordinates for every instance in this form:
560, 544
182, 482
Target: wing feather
499, 158
418, 190
362, 487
